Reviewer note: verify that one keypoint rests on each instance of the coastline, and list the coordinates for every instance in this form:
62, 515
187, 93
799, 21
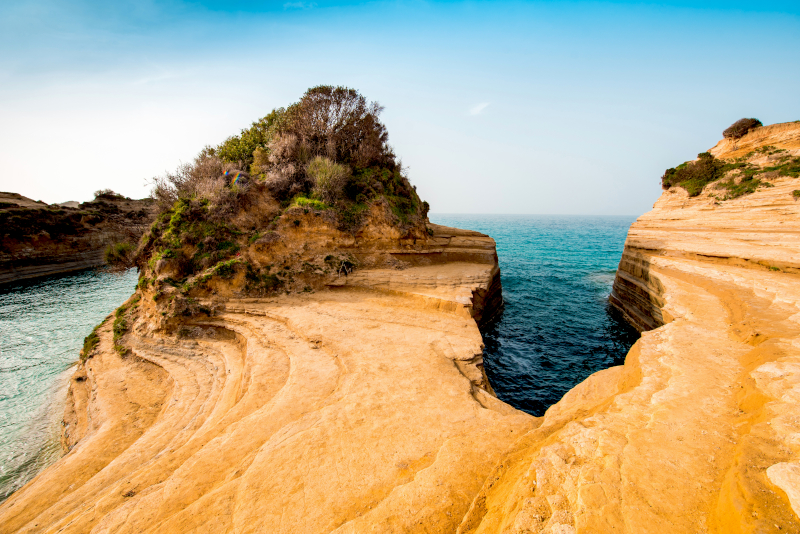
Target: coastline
698, 430
374, 390
365, 405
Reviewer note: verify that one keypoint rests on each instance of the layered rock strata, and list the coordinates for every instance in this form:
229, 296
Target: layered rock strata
363, 407
37, 239
699, 431
359, 408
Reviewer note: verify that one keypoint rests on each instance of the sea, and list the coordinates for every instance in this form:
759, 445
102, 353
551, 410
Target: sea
556, 328
42, 326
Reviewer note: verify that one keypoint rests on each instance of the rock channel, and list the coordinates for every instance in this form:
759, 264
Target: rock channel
359, 408
364, 407
699, 431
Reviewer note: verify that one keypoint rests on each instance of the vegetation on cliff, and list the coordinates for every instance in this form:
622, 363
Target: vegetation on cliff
38, 239
740, 128
732, 178
20, 223
329, 149
268, 209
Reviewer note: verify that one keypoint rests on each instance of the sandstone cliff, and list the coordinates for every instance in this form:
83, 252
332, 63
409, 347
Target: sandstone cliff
362, 407
37, 239
699, 431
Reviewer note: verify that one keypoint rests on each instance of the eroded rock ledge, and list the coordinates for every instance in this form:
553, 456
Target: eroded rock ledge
699, 431
360, 408
37, 239
364, 407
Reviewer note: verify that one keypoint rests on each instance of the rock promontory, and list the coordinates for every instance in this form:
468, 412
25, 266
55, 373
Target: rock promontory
39, 239
699, 430
302, 352
293, 362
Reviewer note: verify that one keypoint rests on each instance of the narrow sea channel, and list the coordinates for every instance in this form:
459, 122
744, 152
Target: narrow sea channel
557, 327
42, 326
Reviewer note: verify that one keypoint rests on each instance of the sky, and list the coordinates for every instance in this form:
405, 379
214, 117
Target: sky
494, 107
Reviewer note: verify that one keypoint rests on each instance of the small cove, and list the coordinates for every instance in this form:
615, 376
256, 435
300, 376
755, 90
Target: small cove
557, 327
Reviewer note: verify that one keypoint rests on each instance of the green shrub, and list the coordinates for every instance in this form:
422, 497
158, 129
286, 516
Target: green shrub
311, 203
107, 194
226, 269
693, 176
119, 254
796, 194
90, 342
241, 148
328, 178
120, 326
788, 166
744, 187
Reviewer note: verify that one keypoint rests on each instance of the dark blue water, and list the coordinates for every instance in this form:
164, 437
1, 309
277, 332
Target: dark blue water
557, 327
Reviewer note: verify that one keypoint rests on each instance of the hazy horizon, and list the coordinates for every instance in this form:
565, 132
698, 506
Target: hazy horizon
545, 108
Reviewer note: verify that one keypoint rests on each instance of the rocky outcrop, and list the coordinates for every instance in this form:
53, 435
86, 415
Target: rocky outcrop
362, 407
699, 430
37, 239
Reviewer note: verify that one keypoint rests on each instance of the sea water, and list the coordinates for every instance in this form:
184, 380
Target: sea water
557, 327
42, 326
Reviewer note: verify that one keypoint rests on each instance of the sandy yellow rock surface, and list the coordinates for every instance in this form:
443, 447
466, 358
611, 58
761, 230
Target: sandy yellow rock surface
699, 431
361, 408
364, 407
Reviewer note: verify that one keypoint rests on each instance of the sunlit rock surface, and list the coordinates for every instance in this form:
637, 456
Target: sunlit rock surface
360, 408
364, 407
699, 431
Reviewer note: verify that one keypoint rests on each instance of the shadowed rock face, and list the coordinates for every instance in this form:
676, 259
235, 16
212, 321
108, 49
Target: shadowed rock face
359, 407
698, 431
37, 239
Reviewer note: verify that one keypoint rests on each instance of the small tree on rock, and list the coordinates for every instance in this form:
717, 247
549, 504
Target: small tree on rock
740, 128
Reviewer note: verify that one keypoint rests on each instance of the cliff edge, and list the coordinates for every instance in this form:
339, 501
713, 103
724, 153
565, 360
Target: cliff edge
39, 239
359, 407
699, 431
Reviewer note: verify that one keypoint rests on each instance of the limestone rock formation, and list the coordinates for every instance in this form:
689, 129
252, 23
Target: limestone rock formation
699, 431
362, 407
37, 239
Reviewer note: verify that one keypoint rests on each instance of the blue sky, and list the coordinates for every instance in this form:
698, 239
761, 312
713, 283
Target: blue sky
496, 107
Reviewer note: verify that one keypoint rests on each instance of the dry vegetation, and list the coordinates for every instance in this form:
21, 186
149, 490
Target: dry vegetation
733, 178
326, 157
329, 148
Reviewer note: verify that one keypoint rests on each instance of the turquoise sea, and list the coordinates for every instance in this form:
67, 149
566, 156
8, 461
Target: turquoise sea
556, 329
42, 326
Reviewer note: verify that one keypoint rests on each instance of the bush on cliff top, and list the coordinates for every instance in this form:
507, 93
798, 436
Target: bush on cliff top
743, 177
740, 128
330, 146
328, 154
694, 175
